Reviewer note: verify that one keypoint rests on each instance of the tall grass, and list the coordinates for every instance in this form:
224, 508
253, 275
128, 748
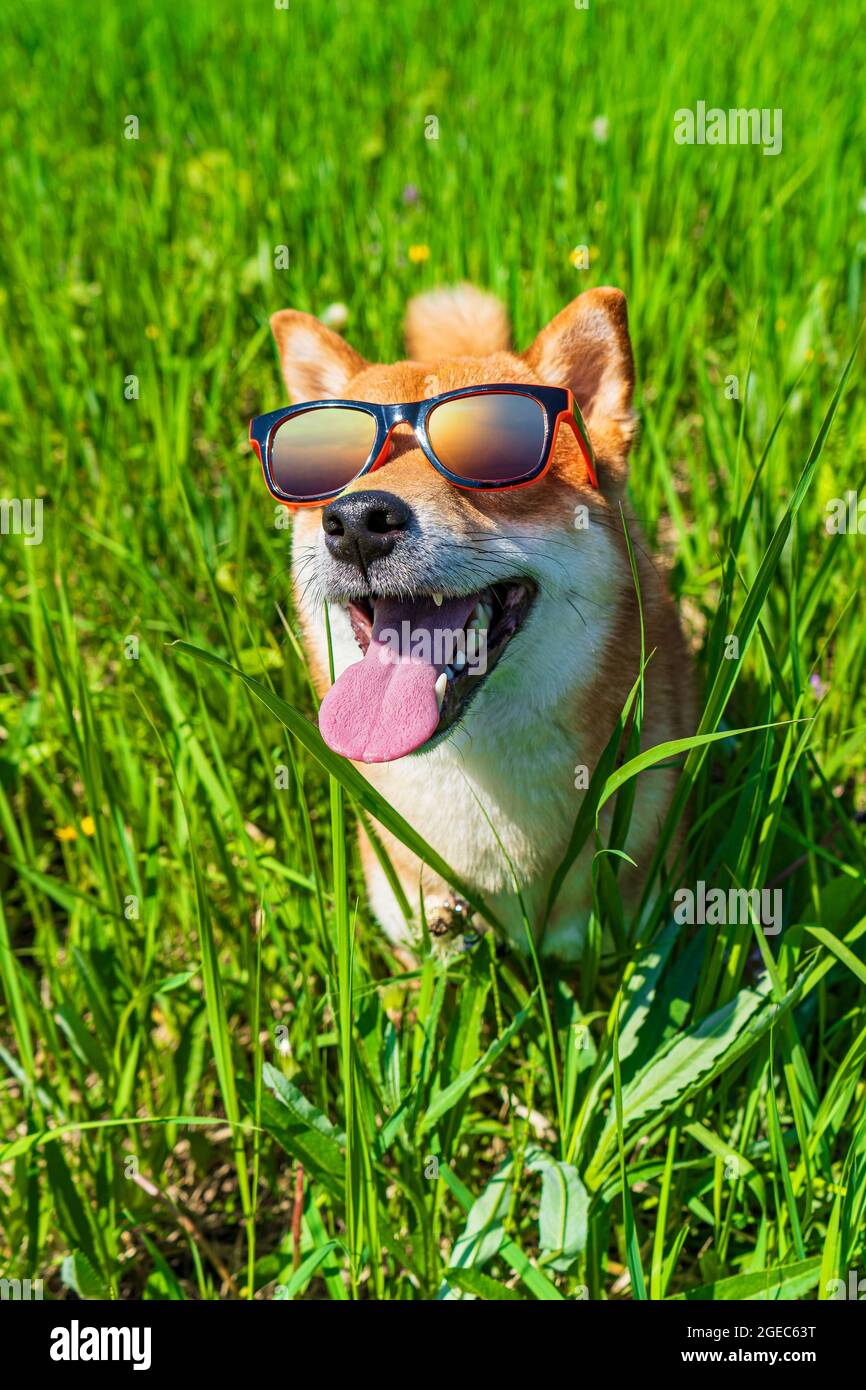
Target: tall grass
217, 1078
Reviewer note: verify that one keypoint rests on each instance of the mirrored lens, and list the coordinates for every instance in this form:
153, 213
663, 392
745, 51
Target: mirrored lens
494, 438
321, 451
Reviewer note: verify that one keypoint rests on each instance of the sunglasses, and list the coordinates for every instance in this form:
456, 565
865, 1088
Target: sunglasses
487, 438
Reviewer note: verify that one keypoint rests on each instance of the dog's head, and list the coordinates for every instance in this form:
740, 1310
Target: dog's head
455, 612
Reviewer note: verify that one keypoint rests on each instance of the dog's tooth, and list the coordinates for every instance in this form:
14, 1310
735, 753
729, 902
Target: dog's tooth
449, 672
439, 687
459, 661
437, 599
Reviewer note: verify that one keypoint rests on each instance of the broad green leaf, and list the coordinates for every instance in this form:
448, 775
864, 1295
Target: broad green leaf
78, 1274
483, 1233
322, 1157
535, 1280
295, 1100
788, 1282
481, 1285
688, 1060
562, 1216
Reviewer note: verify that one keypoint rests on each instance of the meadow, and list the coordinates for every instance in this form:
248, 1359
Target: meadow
216, 1079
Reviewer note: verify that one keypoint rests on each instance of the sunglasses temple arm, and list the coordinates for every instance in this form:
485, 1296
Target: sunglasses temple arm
583, 440
254, 444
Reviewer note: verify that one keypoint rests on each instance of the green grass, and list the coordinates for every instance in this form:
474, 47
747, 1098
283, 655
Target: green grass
215, 1078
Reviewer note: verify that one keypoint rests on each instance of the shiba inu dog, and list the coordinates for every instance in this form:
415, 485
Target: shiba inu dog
529, 587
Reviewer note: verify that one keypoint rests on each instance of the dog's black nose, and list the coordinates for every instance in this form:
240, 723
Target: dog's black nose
363, 526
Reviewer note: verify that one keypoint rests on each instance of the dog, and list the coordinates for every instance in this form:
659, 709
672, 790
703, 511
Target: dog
541, 571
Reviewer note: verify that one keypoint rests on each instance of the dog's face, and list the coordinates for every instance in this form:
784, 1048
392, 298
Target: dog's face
453, 610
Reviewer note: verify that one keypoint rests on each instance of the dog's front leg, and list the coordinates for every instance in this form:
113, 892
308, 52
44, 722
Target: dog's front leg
450, 921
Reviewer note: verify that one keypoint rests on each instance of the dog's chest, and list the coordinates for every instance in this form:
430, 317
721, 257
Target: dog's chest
482, 804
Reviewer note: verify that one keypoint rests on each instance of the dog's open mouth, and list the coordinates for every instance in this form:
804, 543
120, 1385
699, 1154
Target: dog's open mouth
423, 659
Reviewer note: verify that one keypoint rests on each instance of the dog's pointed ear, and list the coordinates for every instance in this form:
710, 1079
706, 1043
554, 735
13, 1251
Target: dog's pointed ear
317, 364
587, 347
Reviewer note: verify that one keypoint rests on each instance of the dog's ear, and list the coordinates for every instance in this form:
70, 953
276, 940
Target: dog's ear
317, 364
587, 347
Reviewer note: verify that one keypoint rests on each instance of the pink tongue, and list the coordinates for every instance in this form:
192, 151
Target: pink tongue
385, 705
